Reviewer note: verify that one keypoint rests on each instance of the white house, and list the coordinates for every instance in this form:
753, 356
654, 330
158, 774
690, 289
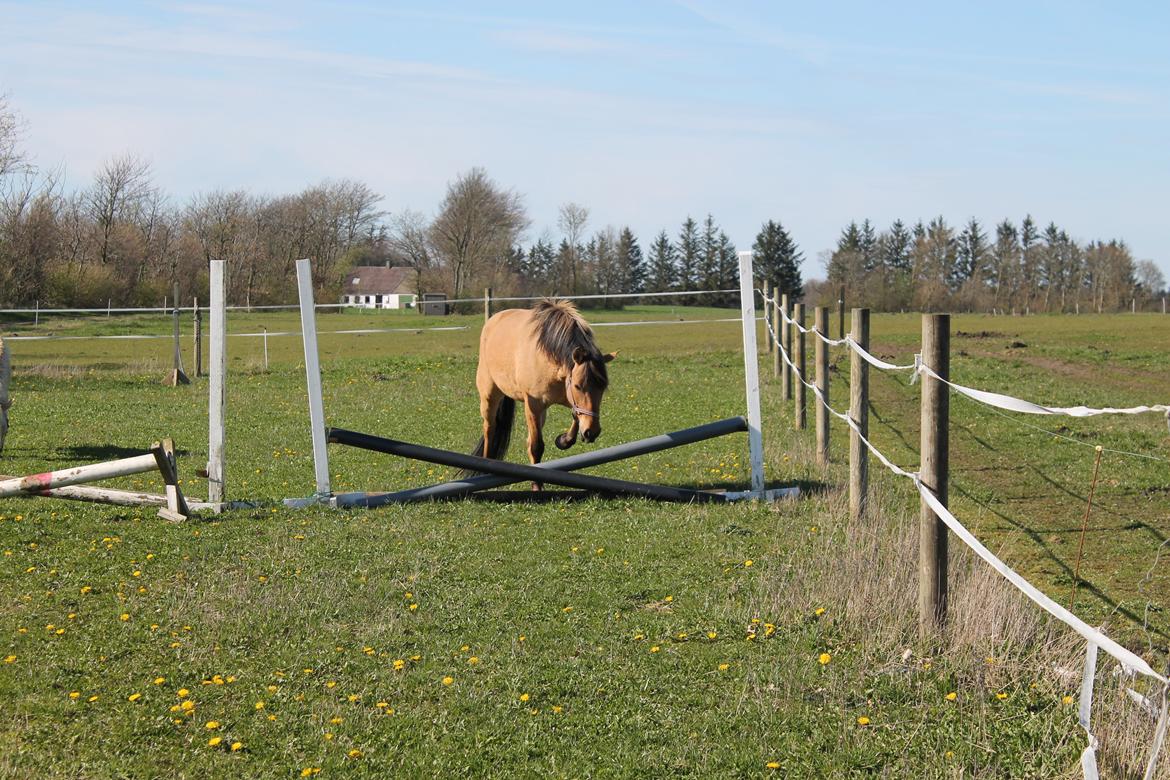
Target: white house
380, 287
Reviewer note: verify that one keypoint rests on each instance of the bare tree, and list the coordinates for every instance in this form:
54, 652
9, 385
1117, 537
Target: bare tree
572, 220
119, 189
477, 225
12, 158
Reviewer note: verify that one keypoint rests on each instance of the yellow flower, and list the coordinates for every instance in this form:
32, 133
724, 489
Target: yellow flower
159, 680
825, 658
819, 611
464, 648
748, 563
134, 697
85, 589
399, 664
272, 689
187, 706
448, 680
9, 659
952, 696
124, 616
413, 607
75, 695
259, 705
557, 709
211, 724
712, 634
92, 698
336, 721
773, 764
668, 599
236, 746
183, 693
214, 741
639, 637
1067, 699
382, 705
331, 684
473, 660
863, 721
524, 697
567, 609
355, 753
655, 649
352, 698
724, 667
1001, 695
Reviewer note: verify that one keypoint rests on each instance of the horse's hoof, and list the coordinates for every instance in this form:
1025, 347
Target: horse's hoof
563, 443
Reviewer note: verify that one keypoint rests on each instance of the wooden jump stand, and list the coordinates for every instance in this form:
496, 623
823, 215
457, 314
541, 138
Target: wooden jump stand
74, 483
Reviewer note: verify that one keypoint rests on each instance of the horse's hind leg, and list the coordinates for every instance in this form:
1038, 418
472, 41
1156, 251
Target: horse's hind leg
489, 404
534, 412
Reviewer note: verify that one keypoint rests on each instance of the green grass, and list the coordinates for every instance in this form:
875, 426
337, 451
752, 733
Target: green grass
262, 595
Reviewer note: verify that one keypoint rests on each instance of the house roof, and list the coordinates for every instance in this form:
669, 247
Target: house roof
375, 279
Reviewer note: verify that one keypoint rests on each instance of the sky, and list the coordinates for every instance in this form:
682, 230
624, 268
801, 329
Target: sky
813, 114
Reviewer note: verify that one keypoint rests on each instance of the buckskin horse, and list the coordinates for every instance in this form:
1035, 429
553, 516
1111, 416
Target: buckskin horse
540, 356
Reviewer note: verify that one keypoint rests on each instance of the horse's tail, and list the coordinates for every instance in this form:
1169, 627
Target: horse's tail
502, 428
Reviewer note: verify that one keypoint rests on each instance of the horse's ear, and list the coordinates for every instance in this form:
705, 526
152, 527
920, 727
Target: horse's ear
609, 357
580, 355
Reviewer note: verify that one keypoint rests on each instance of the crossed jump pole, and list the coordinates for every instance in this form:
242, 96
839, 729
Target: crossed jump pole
495, 473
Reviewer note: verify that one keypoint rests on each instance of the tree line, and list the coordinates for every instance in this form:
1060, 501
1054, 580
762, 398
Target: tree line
1009, 268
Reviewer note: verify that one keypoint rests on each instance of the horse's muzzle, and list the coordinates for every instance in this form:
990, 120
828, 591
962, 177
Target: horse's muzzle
590, 434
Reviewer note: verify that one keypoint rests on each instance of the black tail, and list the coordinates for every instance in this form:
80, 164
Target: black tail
502, 426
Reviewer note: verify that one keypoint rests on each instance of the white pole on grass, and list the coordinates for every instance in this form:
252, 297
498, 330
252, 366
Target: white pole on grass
751, 370
313, 375
217, 390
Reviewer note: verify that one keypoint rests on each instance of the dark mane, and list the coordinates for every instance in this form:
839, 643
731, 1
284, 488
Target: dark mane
560, 329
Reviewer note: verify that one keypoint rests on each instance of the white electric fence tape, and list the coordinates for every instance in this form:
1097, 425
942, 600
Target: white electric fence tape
1085, 713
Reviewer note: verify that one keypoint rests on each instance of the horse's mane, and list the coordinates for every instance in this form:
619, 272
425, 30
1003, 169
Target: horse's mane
560, 329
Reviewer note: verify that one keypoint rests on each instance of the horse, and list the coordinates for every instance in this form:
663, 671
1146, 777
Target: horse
540, 356
5, 398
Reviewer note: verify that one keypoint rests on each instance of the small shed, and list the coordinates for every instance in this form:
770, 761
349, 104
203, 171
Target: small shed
380, 287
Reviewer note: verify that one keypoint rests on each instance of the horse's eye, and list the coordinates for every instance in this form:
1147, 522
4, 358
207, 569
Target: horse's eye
579, 387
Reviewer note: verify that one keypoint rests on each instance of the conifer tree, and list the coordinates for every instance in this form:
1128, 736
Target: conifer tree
688, 255
776, 259
662, 275
632, 263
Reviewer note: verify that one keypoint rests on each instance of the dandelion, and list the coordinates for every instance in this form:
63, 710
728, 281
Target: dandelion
237, 746
524, 697
473, 660
819, 611
682, 636
355, 753
566, 609
93, 698
1001, 695
862, 721
639, 637
212, 725
668, 599
187, 706
214, 741
309, 771
272, 689
952, 696
159, 680
8, 659
125, 616
655, 649
399, 664
414, 607
748, 563
825, 658
183, 693
712, 634
331, 684
353, 697
259, 705
1066, 699
382, 705
336, 721
724, 667
85, 589
134, 697
773, 765
557, 709
75, 694
448, 680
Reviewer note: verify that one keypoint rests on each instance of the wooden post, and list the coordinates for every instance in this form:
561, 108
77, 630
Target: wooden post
786, 343
769, 326
841, 313
198, 339
176, 376
800, 416
217, 385
487, 303
859, 413
777, 360
821, 317
751, 370
932, 533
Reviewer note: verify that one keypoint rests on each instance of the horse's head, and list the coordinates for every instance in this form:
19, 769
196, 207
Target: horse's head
584, 387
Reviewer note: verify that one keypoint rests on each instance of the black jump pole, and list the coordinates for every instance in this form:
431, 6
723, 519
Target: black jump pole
519, 471
463, 487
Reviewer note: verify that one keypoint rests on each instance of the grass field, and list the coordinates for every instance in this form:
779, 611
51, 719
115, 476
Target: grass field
601, 638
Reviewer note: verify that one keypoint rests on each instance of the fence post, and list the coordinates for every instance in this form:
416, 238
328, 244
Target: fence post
217, 391
751, 369
487, 303
786, 344
932, 533
859, 413
198, 339
777, 324
841, 313
800, 417
821, 349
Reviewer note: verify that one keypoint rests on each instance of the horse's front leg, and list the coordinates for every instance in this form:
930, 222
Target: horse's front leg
569, 437
534, 412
